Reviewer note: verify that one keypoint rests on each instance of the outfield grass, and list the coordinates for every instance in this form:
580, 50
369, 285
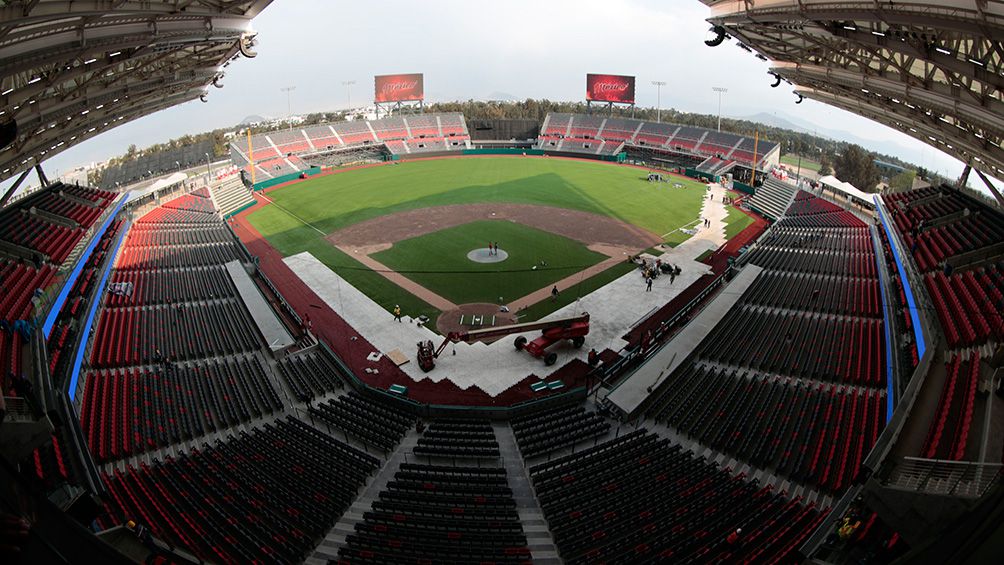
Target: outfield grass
438, 261
807, 164
335, 201
736, 221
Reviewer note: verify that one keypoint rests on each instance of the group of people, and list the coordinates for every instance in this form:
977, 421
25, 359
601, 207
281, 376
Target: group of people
651, 270
493, 248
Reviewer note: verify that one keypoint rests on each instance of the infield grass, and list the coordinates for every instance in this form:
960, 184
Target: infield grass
438, 261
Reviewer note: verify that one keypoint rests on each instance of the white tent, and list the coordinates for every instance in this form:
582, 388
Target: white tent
837, 185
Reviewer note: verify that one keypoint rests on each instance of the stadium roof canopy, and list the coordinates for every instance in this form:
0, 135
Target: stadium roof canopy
933, 69
72, 69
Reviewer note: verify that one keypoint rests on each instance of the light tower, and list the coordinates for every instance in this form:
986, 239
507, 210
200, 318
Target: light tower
720, 90
289, 106
658, 104
348, 93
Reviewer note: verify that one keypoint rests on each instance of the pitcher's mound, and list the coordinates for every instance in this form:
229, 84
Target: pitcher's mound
483, 256
477, 316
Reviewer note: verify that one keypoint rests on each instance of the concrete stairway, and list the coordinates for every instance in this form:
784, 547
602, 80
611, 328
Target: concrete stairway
335, 539
773, 198
538, 536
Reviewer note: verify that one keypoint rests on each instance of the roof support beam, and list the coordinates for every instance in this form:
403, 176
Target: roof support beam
962, 148
937, 97
13, 188
42, 179
993, 189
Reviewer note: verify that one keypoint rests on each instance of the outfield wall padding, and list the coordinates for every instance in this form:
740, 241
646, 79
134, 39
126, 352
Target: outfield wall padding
695, 174
285, 178
503, 151
743, 187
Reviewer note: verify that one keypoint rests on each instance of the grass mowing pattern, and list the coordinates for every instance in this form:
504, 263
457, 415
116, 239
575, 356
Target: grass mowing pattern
335, 201
438, 261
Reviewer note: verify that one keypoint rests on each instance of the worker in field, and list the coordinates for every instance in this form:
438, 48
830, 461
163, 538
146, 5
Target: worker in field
397, 312
554, 293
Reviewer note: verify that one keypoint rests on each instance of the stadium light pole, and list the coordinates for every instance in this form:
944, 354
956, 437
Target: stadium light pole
348, 92
720, 90
658, 104
289, 105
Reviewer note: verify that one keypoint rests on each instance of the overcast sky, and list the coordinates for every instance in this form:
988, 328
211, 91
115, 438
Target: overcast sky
484, 50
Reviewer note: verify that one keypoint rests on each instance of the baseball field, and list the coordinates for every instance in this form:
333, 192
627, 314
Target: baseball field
401, 233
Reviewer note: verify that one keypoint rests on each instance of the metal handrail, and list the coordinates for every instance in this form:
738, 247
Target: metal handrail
944, 477
18, 408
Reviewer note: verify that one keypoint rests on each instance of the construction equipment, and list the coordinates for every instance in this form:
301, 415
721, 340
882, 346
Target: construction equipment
573, 329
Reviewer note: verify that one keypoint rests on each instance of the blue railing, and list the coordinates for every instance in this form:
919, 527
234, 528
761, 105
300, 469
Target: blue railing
911, 303
92, 311
57, 307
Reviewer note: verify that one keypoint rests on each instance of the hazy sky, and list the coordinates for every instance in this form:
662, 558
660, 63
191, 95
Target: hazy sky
483, 50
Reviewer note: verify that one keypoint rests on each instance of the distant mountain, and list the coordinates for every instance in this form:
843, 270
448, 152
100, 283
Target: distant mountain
503, 97
774, 120
253, 120
795, 124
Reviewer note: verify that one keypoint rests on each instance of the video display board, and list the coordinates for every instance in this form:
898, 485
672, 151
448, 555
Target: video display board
610, 88
399, 88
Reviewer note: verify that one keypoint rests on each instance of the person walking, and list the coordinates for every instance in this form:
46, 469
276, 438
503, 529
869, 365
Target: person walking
648, 284
397, 312
554, 293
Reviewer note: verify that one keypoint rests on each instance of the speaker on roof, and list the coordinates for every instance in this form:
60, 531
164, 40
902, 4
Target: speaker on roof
246, 45
719, 38
8, 133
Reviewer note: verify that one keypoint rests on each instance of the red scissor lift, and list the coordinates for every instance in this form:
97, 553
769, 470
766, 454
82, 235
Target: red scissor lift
573, 329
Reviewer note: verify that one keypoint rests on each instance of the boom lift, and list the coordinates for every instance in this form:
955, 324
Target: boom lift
574, 329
